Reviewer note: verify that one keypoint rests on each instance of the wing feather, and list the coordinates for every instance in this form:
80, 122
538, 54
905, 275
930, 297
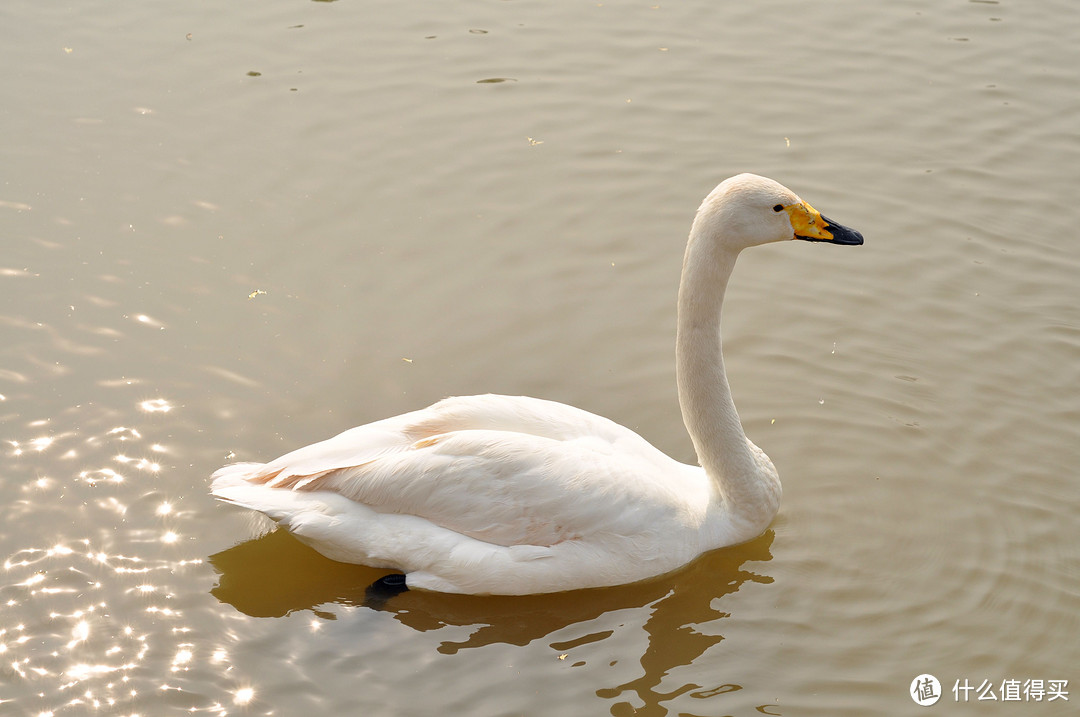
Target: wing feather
505, 470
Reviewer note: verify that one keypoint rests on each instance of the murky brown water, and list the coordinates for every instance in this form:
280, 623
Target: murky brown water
233, 229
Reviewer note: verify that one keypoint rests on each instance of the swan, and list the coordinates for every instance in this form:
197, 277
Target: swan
513, 495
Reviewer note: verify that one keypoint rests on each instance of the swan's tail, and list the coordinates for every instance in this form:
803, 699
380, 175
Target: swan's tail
242, 484
230, 485
232, 476
233, 484
337, 527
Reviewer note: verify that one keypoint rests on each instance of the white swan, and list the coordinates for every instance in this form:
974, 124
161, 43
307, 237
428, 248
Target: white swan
514, 495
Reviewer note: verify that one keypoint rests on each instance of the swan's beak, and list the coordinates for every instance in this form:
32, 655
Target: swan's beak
811, 226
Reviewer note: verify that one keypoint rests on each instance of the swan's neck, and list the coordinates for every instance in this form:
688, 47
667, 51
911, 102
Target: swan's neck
740, 473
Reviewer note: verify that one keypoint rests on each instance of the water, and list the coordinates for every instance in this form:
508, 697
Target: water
231, 230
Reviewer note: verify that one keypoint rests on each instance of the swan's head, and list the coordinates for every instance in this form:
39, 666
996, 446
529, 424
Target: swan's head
747, 210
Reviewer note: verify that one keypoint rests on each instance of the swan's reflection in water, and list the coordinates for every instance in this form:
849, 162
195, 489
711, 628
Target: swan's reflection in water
275, 575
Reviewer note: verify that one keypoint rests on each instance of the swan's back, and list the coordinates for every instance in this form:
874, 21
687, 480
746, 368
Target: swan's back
502, 479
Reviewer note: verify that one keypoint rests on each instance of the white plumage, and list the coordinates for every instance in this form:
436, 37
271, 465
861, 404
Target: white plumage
514, 495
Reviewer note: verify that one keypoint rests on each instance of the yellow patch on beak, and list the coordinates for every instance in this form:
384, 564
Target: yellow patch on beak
807, 222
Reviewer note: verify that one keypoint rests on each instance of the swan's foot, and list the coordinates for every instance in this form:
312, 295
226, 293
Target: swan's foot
393, 581
383, 589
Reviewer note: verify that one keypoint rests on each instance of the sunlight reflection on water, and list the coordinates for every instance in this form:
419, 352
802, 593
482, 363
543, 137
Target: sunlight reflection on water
110, 592
82, 651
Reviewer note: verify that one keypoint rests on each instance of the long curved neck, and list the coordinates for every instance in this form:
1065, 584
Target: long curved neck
704, 395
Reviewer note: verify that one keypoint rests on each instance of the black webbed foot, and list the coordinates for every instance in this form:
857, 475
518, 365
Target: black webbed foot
383, 589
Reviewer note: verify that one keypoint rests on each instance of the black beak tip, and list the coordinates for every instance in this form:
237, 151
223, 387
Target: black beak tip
845, 236
851, 238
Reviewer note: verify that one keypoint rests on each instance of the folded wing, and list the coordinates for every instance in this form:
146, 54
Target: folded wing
504, 470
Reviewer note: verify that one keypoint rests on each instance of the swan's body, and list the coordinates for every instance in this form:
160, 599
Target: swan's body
514, 495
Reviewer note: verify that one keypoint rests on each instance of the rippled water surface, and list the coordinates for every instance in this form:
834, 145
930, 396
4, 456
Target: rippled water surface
231, 229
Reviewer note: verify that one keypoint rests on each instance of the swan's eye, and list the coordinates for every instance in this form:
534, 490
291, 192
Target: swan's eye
778, 207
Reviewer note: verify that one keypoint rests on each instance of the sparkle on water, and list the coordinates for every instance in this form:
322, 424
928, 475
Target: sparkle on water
100, 610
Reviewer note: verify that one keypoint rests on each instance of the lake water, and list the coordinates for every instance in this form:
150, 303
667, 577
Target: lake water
232, 229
